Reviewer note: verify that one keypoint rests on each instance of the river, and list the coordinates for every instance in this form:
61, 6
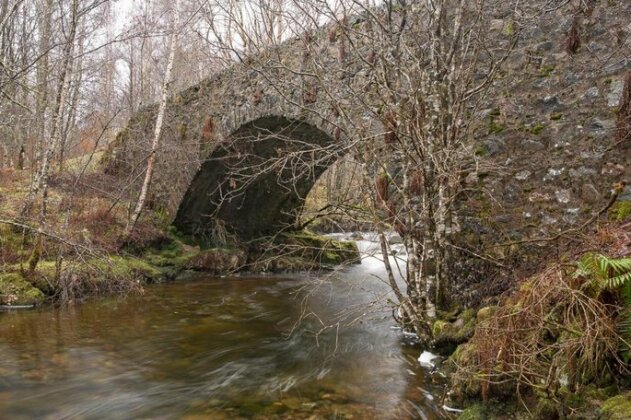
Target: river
294, 346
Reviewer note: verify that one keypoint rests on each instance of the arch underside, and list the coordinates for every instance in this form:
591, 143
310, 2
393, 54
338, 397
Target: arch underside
254, 185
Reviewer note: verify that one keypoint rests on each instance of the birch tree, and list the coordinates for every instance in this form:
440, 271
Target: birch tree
418, 63
159, 123
40, 182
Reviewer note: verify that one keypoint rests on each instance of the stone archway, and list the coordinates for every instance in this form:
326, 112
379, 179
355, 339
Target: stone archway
255, 184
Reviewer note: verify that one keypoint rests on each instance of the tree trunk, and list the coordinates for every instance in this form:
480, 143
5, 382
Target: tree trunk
40, 182
158, 128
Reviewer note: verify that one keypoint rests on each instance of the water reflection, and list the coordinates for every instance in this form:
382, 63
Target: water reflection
295, 347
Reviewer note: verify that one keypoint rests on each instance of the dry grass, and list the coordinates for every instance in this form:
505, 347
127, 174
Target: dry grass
557, 331
86, 215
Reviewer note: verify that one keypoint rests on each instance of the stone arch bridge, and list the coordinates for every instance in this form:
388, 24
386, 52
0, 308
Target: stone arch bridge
547, 125
242, 149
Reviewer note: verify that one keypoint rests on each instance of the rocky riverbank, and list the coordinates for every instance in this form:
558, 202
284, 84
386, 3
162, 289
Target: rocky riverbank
558, 347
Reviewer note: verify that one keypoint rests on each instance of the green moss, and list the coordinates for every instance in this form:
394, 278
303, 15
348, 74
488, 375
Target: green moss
15, 290
103, 270
546, 71
509, 28
484, 314
537, 129
468, 315
11, 238
546, 409
439, 327
495, 127
125, 266
556, 116
620, 211
447, 335
476, 412
617, 408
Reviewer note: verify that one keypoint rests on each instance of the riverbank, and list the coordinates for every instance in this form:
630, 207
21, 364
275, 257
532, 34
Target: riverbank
77, 252
27, 284
556, 347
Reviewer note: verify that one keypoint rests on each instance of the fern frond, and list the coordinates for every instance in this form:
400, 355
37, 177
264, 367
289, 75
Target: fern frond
618, 281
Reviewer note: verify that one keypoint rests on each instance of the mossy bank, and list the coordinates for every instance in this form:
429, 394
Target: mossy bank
32, 282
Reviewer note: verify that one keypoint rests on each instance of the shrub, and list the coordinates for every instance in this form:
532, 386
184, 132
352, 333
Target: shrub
558, 330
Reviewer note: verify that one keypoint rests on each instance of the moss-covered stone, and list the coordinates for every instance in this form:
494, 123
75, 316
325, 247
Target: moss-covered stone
439, 327
217, 260
484, 314
617, 408
173, 254
15, 290
448, 335
546, 409
475, 412
465, 386
620, 211
320, 249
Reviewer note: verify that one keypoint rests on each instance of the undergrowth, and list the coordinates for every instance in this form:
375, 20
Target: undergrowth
564, 329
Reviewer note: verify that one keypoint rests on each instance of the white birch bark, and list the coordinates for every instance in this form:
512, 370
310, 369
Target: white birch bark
40, 184
159, 123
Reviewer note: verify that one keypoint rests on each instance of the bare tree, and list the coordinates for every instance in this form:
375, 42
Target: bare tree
419, 84
159, 122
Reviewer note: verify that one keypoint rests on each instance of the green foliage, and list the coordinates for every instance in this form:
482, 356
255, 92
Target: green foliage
546, 71
537, 129
617, 408
494, 127
164, 219
621, 211
613, 273
15, 290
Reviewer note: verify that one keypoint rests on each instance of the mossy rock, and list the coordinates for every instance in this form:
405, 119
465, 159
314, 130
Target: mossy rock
16, 291
174, 254
617, 408
620, 211
448, 335
465, 355
476, 412
439, 327
218, 260
95, 276
484, 314
321, 249
546, 409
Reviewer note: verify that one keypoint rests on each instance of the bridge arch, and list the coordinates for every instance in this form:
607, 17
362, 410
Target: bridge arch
254, 184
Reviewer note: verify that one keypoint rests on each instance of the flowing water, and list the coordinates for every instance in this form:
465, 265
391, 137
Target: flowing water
296, 346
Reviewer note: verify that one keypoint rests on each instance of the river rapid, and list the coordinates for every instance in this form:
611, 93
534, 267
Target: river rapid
294, 346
